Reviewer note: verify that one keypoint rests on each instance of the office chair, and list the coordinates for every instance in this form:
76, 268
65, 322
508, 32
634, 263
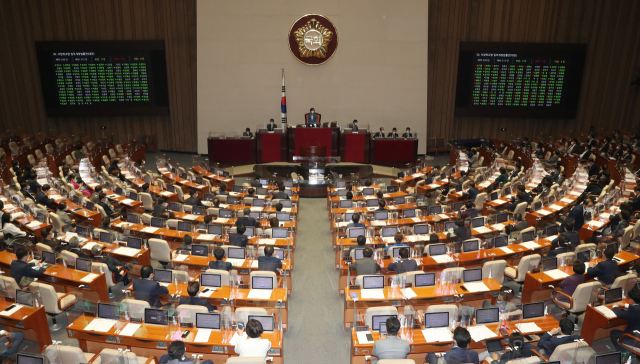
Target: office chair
584, 294
187, 313
135, 307
160, 251
54, 303
496, 267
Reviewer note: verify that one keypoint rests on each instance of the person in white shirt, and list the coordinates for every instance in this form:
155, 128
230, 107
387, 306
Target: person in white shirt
9, 228
253, 345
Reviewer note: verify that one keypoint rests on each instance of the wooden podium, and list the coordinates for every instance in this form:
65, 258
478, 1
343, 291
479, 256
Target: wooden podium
313, 151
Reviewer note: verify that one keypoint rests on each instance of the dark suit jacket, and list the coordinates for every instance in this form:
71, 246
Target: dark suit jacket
271, 264
569, 286
193, 201
407, 135
43, 199
521, 225
575, 149
606, 271
256, 183
455, 356
271, 127
365, 266
573, 236
354, 127
550, 343
393, 135
378, 135
247, 134
238, 240
510, 355
198, 301
473, 193
33, 185
402, 266
632, 315
27, 194
577, 213
593, 170
108, 210
246, 221
514, 204
21, 269
220, 264
158, 210
150, 291
462, 233
280, 196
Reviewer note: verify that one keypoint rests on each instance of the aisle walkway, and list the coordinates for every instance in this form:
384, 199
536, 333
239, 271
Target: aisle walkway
316, 310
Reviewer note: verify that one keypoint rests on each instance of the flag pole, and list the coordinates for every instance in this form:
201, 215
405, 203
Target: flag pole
283, 105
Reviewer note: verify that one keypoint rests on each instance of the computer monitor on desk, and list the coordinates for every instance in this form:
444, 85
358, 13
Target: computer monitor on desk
184, 226
162, 275
236, 253
425, 279
155, 316
209, 321
83, 265
210, 280
437, 249
435, 210
372, 202
358, 253
472, 275
436, 319
157, 222
341, 184
108, 311
472, 245
199, 250
258, 282
268, 322
373, 282
135, 243
250, 231
388, 231
487, 315
354, 232
106, 237
532, 310
133, 218
500, 241
381, 215
49, 257
611, 358
549, 264
502, 218
612, 295
23, 358
214, 229
376, 320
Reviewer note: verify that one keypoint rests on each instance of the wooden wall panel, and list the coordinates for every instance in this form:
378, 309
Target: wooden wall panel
610, 28
22, 22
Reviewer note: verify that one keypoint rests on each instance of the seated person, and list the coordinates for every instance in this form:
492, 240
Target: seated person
247, 133
253, 345
462, 232
404, 264
256, 182
160, 208
559, 246
313, 118
393, 134
246, 219
379, 134
520, 198
606, 270
398, 239
520, 223
354, 125
272, 125
407, 133
349, 195
472, 192
280, 195
268, 262
460, 353
193, 289
502, 178
43, 199
366, 265
390, 346
506, 301
105, 206
24, 190
219, 263
519, 349
145, 189
206, 221
22, 271
223, 189
355, 218
361, 241
16, 339
193, 199
631, 314
251, 192
113, 265
239, 239
62, 214
381, 205
273, 223
558, 336
146, 289
470, 208
186, 243
178, 355
49, 238
10, 228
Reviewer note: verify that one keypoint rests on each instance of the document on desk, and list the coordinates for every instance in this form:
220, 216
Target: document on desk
595, 223
606, 311
235, 338
566, 200
434, 186
190, 217
129, 252
416, 219
254, 264
443, 216
130, 329
555, 207
414, 238
379, 223
362, 337
11, 311
235, 262
498, 227
205, 237
482, 230
100, 325
223, 220
260, 294
208, 293
475, 287
556, 274
150, 230
530, 245
90, 245
372, 294
268, 241
180, 257
439, 334
89, 277
389, 239
202, 336
506, 250
257, 209
480, 333
127, 201
528, 327
544, 212
408, 293
342, 224
166, 193
33, 224
443, 258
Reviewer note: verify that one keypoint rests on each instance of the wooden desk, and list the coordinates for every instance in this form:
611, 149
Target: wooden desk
153, 340
183, 182
594, 322
214, 177
67, 277
441, 293
420, 348
271, 146
354, 146
235, 152
393, 152
27, 318
327, 137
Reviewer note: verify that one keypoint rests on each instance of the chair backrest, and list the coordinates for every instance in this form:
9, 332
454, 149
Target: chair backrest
56, 221
566, 257
584, 247
246, 360
49, 148
452, 309
181, 275
263, 274
521, 208
584, 294
31, 159
480, 200
178, 190
449, 274
112, 153
159, 250
625, 240
224, 275
42, 247
64, 354
527, 263
187, 313
147, 201
626, 281
69, 257
146, 218
574, 352
102, 267
510, 155
242, 313
119, 148
9, 285
114, 356
102, 212
172, 223
69, 160
376, 311
48, 296
496, 268
135, 307
106, 160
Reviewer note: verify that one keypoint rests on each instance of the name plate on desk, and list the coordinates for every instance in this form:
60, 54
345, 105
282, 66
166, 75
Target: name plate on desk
243, 286
354, 287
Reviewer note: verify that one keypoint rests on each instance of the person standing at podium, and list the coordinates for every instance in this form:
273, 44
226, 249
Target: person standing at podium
394, 133
272, 125
312, 120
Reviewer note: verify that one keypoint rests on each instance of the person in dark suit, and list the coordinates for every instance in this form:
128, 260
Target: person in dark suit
519, 199
593, 168
223, 189
558, 336
519, 349
146, 289
606, 270
256, 182
574, 147
272, 125
354, 125
247, 133
470, 209
407, 133
520, 224
355, 218
379, 134
280, 195
460, 353
631, 314
43, 199
105, 206
193, 289
21, 269
584, 156
361, 241
238, 239
160, 208
577, 213
145, 189
24, 189
472, 192
246, 220
187, 242
177, 354
114, 265
268, 262
539, 152
33, 183
313, 119
381, 205
219, 263
193, 199
568, 225
366, 265
390, 346
569, 284
606, 146
404, 264
393, 134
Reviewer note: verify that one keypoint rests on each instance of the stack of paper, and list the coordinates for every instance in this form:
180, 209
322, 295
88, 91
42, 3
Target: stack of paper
11, 311
89, 278
555, 207
149, 229
126, 201
235, 262
268, 241
530, 245
100, 325
379, 223
202, 336
259, 294
412, 238
498, 227
474, 287
190, 217
180, 257
34, 224
408, 293
606, 311
223, 220
286, 209
434, 186
342, 224
129, 252
165, 193
440, 334
443, 216
480, 333
416, 219
596, 224
372, 294
482, 230
443, 258
362, 337
206, 237
130, 329
257, 208
506, 250
556, 274
544, 212
90, 245
567, 200
528, 327
389, 239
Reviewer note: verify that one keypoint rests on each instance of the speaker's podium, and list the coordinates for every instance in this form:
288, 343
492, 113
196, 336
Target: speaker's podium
313, 160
